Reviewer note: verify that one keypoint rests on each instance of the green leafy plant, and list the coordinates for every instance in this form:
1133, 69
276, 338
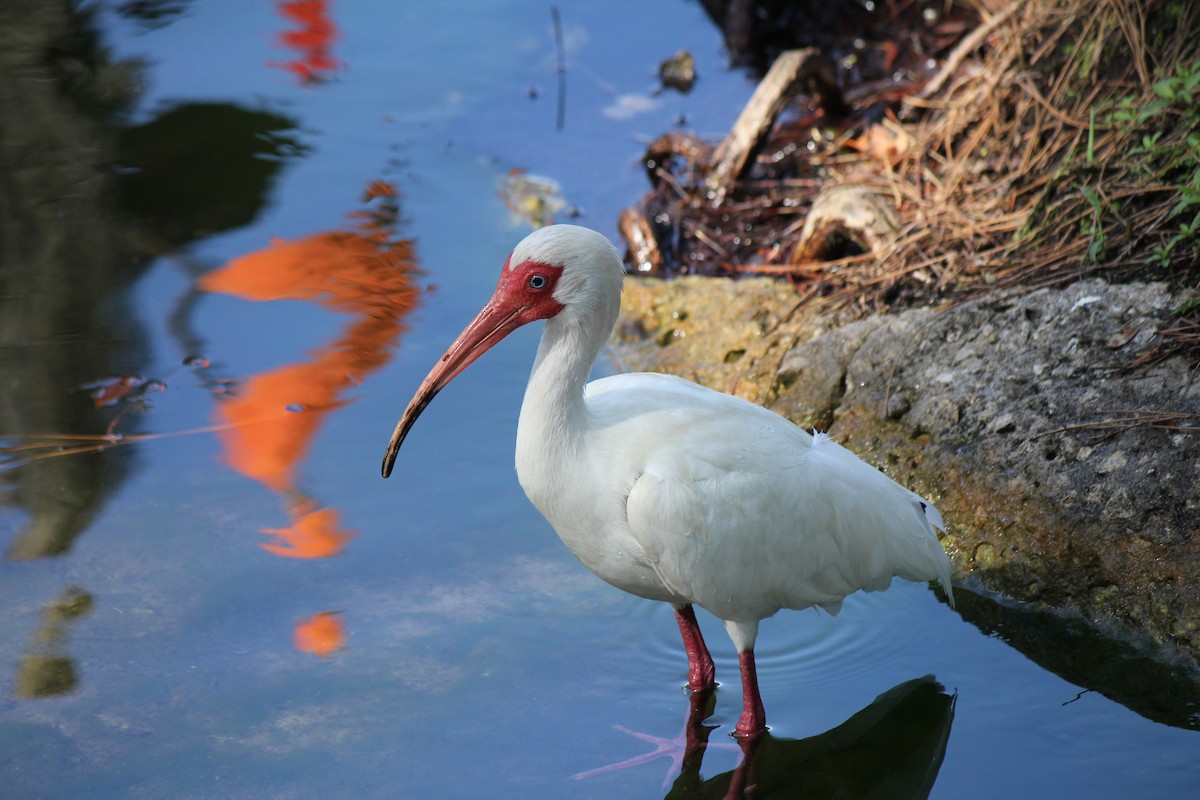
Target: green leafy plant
1167, 153
1093, 226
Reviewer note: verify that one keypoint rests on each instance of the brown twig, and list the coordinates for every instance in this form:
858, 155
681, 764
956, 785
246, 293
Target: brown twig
965, 48
1159, 420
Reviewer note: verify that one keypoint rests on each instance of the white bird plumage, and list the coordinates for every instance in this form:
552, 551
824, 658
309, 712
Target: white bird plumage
675, 492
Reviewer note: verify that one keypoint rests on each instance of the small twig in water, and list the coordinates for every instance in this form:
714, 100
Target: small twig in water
561, 69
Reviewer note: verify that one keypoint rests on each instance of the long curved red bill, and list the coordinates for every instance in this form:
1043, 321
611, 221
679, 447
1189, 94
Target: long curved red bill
497, 319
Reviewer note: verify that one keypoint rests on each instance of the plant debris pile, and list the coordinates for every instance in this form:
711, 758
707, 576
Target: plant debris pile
1049, 140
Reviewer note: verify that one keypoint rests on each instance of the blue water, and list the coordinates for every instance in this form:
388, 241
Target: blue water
479, 659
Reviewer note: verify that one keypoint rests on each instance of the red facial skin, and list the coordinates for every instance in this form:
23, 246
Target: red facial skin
524, 294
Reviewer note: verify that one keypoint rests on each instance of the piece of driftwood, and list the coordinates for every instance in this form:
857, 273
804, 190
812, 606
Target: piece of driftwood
843, 215
644, 254
788, 72
675, 144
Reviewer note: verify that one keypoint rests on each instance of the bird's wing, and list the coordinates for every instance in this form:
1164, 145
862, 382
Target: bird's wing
729, 539
745, 514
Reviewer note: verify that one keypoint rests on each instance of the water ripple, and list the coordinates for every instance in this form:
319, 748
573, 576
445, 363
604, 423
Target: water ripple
795, 650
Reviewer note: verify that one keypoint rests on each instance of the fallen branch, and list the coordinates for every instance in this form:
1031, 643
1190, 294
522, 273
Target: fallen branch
757, 118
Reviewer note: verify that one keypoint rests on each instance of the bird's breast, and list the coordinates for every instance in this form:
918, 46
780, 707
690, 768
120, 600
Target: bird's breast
586, 508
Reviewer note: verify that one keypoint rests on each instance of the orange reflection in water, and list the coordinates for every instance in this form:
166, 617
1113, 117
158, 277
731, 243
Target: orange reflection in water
315, 533
268, 425
322, 634
312, 41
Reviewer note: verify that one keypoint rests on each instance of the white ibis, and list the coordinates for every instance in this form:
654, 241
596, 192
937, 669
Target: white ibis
675, 492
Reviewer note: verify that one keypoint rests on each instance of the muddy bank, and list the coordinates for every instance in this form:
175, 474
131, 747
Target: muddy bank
1067, 477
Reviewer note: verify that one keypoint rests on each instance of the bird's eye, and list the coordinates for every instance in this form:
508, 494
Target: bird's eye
537, 281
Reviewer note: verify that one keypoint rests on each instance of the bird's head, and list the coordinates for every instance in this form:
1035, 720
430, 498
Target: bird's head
561, 268
557, 271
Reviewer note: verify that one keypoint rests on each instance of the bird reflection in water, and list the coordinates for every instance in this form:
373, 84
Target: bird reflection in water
891, 749
267, 424
268, 421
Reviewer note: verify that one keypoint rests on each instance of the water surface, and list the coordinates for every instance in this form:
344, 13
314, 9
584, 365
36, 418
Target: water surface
223, 599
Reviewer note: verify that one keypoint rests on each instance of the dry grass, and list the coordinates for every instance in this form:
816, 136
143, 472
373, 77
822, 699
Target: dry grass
1048, 154
1025, 172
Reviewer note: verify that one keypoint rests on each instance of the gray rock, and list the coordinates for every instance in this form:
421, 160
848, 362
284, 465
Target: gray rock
1068, 471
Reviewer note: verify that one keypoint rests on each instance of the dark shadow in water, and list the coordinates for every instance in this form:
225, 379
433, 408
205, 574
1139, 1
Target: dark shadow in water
153, 14
1074, 650
202, 168
61, 256
75, 233
46, 670
891, 749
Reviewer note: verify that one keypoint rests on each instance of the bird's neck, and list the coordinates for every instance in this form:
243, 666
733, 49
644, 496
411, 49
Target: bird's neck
553, 403
554, 413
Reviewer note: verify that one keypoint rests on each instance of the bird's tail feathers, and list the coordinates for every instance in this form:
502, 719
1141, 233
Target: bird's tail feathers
929, 555
932, 514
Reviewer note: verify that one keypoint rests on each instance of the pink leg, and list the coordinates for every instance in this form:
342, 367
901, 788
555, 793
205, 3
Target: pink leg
754, 717
701, 672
